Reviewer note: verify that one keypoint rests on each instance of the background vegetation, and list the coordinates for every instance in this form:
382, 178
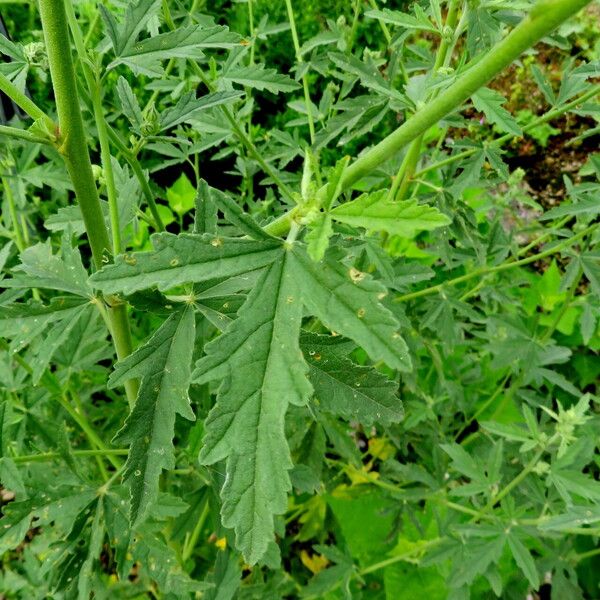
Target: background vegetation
460, 461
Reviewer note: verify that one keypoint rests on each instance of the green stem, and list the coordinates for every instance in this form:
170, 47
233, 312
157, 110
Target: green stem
87, 428
95, 92
14, 217
384, 28
136, 167
107, 169
300, 62
73, 147
516, 481
190, 544
244, 139
409, 164
72, 139
586, 555
499, 389
497, 268
24, 102
534, 27
23, 134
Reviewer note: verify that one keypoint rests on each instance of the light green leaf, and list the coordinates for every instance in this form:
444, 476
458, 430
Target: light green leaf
490, 102
256, 76
349, 390
264, 371
376, 212
163, 364
181, 195
347, 302
317, 239
186, 258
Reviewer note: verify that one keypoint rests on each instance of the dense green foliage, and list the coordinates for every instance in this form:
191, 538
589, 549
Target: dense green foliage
291, 306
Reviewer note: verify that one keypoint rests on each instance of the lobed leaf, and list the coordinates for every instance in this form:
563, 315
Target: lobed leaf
164, 364
347, 302
260, 360
347, 389
186, 258
260, 78
376, 212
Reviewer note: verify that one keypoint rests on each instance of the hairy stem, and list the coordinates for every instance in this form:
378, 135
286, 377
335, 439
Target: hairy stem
73, 147
23, 134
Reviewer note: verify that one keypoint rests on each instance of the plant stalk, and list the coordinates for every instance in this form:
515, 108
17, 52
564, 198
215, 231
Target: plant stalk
24, 102
73, 147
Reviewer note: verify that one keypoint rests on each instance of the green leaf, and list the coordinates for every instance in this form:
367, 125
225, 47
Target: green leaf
186, 258
260, 359
368, 75
57, 334
349, 390
490, 102
63, 271
236, 216
401, 19
586, 206
129, 104
317, 238
205, 216
189, 106
375, 212
260, 78
524, 560
462, 461
590, 262
347, 302
60, 505
25, 322
163, 364
576, 516
137, 16
186, 42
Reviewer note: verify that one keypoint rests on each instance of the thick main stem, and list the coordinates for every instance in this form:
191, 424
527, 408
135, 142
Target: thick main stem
73, 146
74, 149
